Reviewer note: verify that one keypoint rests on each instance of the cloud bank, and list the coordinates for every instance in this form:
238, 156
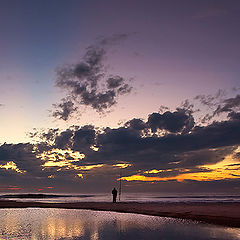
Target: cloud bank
169, 148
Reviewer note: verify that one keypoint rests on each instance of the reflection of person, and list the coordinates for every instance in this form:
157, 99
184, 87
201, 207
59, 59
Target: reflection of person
114, 193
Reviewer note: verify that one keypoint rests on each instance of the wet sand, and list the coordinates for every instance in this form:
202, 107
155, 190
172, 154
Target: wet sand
226, 214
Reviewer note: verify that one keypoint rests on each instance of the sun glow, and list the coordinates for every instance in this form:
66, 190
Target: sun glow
122, 165
94, 148
229, 168
65, 160
61, 154
157, 171
12, 165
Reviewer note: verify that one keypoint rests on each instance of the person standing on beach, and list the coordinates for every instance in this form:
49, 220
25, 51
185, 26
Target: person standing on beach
114, 193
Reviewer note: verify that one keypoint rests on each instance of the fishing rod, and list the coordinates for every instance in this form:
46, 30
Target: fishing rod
120, 185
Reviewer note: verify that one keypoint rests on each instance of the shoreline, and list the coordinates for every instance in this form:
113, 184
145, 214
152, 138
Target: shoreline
225, 214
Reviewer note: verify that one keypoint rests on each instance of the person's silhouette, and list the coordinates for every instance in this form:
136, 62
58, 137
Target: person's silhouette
114, 193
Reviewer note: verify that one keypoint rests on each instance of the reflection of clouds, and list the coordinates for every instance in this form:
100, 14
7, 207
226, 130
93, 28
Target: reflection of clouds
234, 231
11, 224
54, 224
32, 224
58, 228
95, 234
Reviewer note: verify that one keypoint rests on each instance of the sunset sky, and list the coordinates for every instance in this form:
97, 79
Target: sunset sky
148, 88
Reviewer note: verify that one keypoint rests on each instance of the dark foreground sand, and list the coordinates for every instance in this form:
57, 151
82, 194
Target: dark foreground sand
227, 214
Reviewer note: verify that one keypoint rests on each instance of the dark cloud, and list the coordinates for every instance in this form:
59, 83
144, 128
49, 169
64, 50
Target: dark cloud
64, 109
178, 121
204, 156
48, 136
22, 155
131, 144
234, 115
64, 139
75, 138
220, 106
114, 82
84, 138
184, 148
137, 124
217, 105
211, 101
229, 105
189, 149
233, 165
87, 82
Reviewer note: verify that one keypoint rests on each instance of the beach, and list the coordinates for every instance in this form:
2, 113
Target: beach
225, 214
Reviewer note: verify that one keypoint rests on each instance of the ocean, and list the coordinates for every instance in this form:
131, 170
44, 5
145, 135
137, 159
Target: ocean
125, 197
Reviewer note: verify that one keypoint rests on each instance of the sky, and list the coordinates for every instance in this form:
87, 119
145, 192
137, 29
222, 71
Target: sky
92, 89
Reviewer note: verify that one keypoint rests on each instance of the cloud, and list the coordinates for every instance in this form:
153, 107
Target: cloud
136, 124
234, 115
64, 139
211, 100
114, 39
87, 82
84, 138
20, 155
206, 145
218, 105
64, 109
228, 105
205, 156
167, 146
178, 121
184, 143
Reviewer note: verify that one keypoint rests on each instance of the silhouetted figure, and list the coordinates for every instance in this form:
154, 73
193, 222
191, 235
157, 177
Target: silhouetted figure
114, 193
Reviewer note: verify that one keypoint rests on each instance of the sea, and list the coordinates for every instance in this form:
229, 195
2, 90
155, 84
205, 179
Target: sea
125, 197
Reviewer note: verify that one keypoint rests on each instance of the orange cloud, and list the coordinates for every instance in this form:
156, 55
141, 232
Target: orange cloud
219, 171
12, 165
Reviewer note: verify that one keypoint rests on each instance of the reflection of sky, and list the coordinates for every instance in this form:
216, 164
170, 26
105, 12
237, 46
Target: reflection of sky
84, 224
176, 53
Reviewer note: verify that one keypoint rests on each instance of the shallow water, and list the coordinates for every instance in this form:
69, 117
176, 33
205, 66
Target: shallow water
37, 224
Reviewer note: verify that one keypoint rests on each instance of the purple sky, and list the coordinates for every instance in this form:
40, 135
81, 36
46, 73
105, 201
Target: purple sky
159, 52
176, 50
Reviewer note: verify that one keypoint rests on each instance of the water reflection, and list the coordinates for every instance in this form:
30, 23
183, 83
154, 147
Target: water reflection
50, 224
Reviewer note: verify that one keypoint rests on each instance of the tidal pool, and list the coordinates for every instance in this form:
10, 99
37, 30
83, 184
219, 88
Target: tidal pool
37, 224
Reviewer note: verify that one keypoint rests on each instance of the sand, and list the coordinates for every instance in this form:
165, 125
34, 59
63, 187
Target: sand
226, 214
